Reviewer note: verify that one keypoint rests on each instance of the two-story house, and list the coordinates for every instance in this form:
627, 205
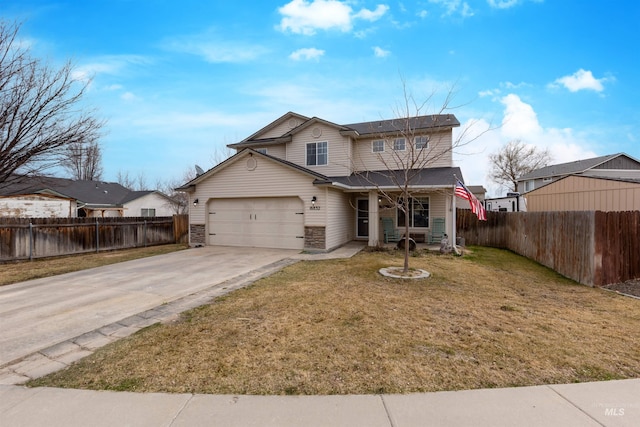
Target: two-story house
306, 183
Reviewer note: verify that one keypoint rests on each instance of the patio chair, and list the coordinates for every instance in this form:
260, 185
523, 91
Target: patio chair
390, 232
437, 231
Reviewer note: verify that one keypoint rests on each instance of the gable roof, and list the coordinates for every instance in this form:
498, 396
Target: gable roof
356, 130
579, 166
240, 155
290, 116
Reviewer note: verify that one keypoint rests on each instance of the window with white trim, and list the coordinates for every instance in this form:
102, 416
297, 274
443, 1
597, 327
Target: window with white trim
261, 150
399, 144
421, 142
317, 153
529, 185
377, 145
418, 213
147, 212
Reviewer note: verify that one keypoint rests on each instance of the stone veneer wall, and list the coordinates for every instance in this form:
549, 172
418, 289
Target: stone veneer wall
196, 232
315, 238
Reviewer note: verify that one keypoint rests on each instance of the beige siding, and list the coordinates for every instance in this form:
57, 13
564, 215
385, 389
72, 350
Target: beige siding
268, 179
150, 201
576, 193
341, 217
338, 149
279, 151
438, 154
280, 129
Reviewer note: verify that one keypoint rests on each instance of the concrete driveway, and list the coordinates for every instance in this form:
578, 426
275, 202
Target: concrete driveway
40, 313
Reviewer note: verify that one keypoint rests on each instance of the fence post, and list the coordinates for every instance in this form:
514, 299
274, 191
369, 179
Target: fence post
97, 236
144, 230
30, 241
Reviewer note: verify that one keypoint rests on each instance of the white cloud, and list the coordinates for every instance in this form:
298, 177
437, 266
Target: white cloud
212, 48
306, 17
520, 121
372, 15
581, 80
502, 4
380, 52
128, 96
307, 54
422, 14
454, 7
302, 17
109, 64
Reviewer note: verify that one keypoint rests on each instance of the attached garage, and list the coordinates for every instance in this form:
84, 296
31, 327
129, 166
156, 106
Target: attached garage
270, 222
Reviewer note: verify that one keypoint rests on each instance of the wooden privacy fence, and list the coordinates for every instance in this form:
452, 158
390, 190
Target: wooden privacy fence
593, 248
29, 238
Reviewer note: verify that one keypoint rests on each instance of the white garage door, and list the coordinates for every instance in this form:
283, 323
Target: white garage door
276, 222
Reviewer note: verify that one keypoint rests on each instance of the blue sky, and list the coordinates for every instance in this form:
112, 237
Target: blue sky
178, 80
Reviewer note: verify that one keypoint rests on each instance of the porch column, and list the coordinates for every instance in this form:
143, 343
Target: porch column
374, 219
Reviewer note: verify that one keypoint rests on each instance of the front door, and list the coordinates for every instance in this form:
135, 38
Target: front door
362, 217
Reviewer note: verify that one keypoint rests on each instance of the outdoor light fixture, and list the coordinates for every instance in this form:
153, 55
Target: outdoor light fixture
195, 202
313, 200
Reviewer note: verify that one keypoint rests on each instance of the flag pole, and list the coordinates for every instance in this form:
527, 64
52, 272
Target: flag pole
453, 216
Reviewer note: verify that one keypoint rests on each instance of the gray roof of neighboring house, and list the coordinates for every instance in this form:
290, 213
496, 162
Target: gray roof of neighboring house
569, 168
428, 177
96, 193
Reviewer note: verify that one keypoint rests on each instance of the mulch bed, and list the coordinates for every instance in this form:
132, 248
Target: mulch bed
630, 287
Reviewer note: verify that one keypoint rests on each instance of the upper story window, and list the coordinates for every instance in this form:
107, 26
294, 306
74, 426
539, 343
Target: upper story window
528, 185
261, 150
421, 142
547, 179
317, 153
377, 146
399, 144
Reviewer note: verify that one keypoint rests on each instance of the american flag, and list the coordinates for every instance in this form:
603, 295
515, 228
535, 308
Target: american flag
476, 206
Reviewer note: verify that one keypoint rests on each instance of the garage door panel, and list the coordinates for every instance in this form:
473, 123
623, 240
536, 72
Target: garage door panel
268, 222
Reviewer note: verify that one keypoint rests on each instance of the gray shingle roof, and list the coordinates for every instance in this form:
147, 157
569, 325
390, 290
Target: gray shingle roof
395, 125
569, 168
428, 177
97, 193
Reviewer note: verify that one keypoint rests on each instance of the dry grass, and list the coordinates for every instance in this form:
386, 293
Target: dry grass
14, 272
490, 319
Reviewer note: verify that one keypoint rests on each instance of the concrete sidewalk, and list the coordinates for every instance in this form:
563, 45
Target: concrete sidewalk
611, 403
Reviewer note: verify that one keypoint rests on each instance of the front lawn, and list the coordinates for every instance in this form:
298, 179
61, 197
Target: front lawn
489, 319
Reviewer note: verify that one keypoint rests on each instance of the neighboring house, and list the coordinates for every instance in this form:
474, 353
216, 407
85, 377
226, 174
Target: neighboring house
513, 202
85, 198
586, 193
36, 205
306, 183
148, 203
611, 166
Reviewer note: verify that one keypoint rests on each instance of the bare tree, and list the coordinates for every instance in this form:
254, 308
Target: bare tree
40, 111
179, 200
84, 161
514, 160
411, 152
133, 183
